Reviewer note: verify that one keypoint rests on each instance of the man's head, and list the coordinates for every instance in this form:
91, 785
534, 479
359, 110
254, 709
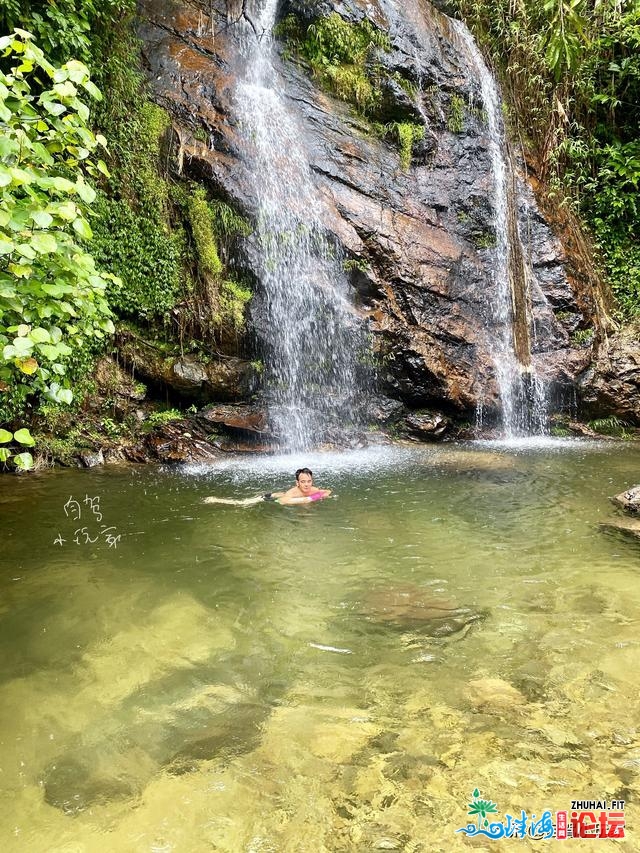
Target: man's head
304, 480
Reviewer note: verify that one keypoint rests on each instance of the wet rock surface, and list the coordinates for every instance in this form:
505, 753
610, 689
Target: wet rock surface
175, 442
192, 378
629, 501
427, 426
422, 237
612, 383
252, 419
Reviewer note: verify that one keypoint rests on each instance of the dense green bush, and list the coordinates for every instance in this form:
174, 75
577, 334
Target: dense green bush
52, 297
62, 28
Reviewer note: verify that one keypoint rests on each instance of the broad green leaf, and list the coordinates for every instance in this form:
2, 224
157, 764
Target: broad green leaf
66, 89
93, 90
53, 107
20, 270
20, 176
22, 330
82, 228
23, 346
86, 192
6, 246
54, 289
65, 395
5, 454
42, 218
61, 184
25, 250
23, 436
39, 335
44, 243
5, 436
66, 210
8, 146
50, 351
24, 461
76, 71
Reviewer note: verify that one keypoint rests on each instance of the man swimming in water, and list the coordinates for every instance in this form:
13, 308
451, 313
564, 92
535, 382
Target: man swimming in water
303, 492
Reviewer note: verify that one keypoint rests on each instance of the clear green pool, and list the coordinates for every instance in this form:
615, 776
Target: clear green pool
275, 679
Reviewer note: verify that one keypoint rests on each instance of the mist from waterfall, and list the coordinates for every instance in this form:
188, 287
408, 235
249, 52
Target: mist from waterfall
312, 330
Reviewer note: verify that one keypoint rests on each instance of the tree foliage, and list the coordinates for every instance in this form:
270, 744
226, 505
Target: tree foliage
52, 301
62, 29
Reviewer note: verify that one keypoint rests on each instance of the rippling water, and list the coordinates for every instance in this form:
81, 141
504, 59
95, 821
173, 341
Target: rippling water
337, 677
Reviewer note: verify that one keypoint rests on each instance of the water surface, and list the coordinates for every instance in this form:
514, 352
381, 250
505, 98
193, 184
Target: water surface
207, 677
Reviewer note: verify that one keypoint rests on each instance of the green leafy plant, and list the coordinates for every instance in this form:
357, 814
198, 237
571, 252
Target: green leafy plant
611, 425
52, 296
455, 118
24, 460
157, 419
582, 337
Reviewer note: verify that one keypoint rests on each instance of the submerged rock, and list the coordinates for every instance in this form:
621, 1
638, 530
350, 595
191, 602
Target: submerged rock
75, 782
630, 526
494, 695
415, 608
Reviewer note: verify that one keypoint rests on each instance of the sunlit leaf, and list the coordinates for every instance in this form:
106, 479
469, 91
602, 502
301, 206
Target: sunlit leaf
23, 436
24, 461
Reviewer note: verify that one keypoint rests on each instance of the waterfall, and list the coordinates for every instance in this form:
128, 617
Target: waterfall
312, 330
522, 392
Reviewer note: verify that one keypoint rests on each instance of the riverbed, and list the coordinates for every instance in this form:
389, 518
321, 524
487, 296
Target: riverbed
178, 676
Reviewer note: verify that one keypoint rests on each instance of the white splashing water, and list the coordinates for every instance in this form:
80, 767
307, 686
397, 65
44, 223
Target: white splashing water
313, 330
523, 394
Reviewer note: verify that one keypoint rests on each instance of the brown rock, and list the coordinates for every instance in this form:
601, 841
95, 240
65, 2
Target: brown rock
246, 418
612, 385
629, 501
427, 426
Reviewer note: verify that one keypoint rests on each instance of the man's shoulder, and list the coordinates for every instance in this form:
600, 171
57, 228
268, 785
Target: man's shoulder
293, 492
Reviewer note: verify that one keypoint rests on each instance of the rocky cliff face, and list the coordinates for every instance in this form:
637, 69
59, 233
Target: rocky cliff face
419, 235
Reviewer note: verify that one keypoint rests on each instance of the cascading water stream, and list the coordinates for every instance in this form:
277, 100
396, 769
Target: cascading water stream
522, 393
312, 331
